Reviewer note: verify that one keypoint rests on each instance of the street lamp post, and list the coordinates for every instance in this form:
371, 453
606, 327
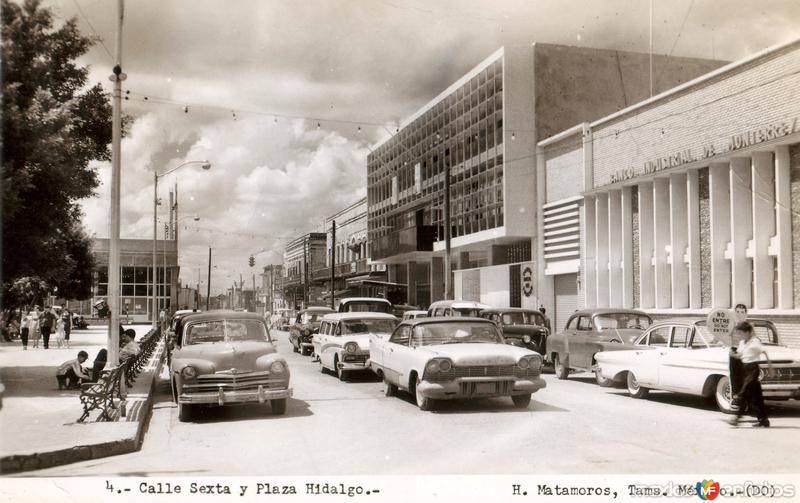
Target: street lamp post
206, 166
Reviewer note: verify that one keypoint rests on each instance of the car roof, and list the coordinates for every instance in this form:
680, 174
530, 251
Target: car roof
358, 316
608, 310
218, 314
511, 310
459, 303
364, 299
445, 319
316, 309
415, 311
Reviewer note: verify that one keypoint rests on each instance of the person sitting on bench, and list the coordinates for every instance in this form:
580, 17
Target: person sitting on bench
70, 373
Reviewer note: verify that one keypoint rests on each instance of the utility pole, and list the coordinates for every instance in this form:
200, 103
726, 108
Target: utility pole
116, 137
208, 287
305, 271
255, 304
448, 287
333, 263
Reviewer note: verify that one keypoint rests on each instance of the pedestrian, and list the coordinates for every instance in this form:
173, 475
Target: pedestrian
67, 316
59, 331
24, 331
48, 322
735, 368
129, 347
749, 352
13, 327
34, 320
71, 373
544, 313
162, 319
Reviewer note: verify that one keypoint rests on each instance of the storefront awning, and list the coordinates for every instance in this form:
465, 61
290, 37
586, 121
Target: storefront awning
359, 280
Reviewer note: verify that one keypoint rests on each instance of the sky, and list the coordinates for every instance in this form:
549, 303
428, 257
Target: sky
285, 98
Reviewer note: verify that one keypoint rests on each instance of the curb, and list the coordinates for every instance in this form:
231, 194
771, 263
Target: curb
42, 460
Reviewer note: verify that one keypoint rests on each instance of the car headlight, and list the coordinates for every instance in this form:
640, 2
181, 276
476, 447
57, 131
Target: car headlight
445, 365
526, 339
432, 367
189, 372
535, 362
523, 363
306, 332
351, 347
761, 373
277, 367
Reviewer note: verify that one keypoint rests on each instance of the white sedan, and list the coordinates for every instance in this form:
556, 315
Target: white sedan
446, 358
343, 341
685, 357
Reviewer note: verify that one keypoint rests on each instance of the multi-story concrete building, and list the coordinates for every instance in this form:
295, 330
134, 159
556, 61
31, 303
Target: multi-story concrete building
681, 203
271, 287
136, 276
484, 129
302, 256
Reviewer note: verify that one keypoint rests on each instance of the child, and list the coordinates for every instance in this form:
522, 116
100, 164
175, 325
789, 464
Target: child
70, 373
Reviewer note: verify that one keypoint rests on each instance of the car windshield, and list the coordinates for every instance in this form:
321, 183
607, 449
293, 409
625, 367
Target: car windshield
310, 318
366, 306
522, 318
209, 332
466, 311
622, 321
713, 340
455, 333
366, 326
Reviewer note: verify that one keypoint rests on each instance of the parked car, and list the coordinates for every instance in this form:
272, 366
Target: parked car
400, 309
282, 319
174, 330
364, 305
343, 341
685, 357
591, 331
446, 358
412, 315
520, 327
227, 357
457, 308
305, 326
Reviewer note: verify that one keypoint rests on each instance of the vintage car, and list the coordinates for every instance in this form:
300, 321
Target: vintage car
305, 326
282, 319
364, 305
174, 329
520, 327
457, 308
412, 315
227, 357
342, 343
446, 358
591, 331
683, 356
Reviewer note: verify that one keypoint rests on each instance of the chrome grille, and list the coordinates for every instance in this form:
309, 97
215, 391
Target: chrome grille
483, 371
211, 383
347, 358
470, 388
781, 375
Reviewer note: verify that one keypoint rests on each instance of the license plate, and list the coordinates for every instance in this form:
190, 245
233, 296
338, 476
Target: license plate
485, 388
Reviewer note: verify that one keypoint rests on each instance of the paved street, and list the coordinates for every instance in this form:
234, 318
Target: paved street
340, 428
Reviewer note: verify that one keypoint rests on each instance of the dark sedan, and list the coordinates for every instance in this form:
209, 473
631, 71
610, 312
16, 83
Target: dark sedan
305, 326
521, 327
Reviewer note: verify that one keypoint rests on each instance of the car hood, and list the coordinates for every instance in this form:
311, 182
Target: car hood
240, 355
782, 354
478, 353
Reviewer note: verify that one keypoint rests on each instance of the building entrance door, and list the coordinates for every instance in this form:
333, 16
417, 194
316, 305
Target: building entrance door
566, 294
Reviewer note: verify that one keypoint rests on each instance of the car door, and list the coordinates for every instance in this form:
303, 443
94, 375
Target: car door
646, 362
317, 338
330, 344
578, 341
675, 370
376, 347
395, 355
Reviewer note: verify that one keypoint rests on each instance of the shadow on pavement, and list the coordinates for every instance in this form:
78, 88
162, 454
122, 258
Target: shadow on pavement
481, 405
39, 381
202, 415
774, 408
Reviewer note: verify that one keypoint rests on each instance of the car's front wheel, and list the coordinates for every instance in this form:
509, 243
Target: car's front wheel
423, 402
278, 406
561, 367
635, 390
184, 412
521, 401
603, 381
724, 396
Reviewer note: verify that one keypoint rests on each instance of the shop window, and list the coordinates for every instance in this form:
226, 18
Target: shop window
127, 274
140, 275
127, 290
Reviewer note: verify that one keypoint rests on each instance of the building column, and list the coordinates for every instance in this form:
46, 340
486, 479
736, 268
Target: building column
720, 210
615, 283
763, 196
437, 279
411, 281
781, 243
741, 230
601, 249
679, 240
693, 226
646, 247
661, 239
498, 254
627, 247
589, 269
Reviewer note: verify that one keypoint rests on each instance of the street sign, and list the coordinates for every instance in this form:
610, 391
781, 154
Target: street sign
720, 322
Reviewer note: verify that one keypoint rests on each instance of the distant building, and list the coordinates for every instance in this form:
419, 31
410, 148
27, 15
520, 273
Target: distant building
136, 276
271, 287
484, 128
301, 256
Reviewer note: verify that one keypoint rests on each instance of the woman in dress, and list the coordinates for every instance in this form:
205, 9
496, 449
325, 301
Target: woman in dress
59, 331
33, 326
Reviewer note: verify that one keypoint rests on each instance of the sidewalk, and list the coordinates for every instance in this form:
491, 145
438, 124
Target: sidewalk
38, 425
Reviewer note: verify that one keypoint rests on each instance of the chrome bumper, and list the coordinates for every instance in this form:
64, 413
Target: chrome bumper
780, 391
305, 345
460, 388
222, 397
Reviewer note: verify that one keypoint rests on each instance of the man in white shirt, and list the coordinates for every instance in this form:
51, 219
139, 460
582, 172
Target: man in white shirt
750, 351
70, 373
129, 347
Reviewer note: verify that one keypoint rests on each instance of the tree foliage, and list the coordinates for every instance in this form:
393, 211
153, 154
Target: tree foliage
54, 125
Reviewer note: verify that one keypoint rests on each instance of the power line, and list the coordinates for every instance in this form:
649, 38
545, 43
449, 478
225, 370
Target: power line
99, 38
682, 25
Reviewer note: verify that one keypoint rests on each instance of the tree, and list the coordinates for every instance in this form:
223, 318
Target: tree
53, 127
